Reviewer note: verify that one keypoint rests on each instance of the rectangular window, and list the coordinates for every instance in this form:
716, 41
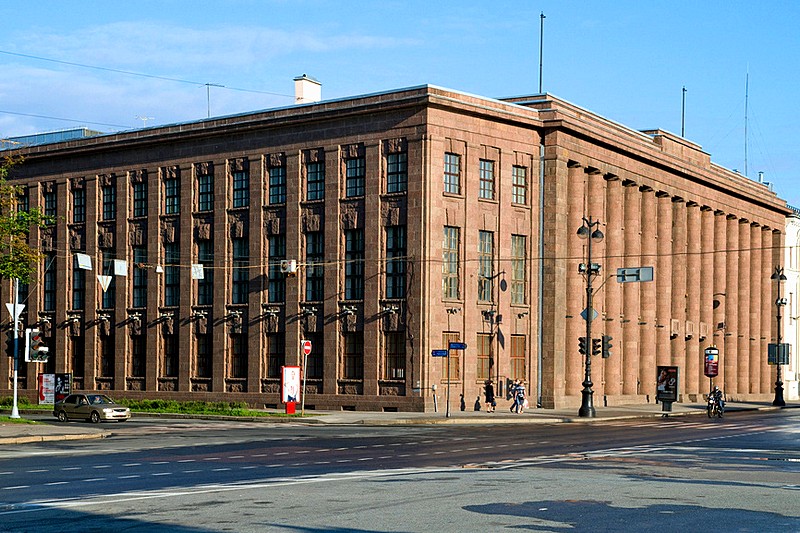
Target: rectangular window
49, 282
23, 201
485, 266
49, 204
450, 262
109, 202
241, 188
109, 297
205, 286
79, 206
78, 285
314, 267
277, 185
314, 361
315, 181
140, 199
518, 268
139, 254
354, 355
203, 363
138, 351
205, 192
238, 356
355, 177
484, 356
172, 277
395, 364
240, 286
277, 279
455, 357
452, 173
276, 356
397, 172
78, 356
170, 356
519, 185
518, 370
486, 190
395, 261
106, 366
354, 264
172, 199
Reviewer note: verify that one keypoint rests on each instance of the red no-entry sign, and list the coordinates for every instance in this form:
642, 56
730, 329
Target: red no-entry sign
306, 347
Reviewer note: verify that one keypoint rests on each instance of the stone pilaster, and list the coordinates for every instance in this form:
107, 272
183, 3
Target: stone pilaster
664, 279
694, 249
649, 295
731, 359
613, 290
628, 348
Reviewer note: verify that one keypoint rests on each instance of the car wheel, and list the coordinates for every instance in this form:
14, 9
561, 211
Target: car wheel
62, 416
95, 417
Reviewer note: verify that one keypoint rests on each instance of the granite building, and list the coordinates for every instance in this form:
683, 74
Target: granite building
381, 228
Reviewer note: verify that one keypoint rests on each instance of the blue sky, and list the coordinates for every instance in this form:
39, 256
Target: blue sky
625, 60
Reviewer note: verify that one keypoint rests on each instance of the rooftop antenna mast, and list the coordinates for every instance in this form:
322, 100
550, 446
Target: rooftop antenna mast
746, 97
541, 46
144, 119
683, 111
208, 95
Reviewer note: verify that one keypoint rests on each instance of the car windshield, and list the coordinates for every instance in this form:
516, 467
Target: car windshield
96, 399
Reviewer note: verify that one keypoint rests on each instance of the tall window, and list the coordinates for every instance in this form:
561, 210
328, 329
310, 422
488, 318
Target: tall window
315, 181
78, 358
452, 173
203, 362
49, 203
170, 356
314, 368
276, 356
106, 366
172, 199
485, 266
205, 192
238, 356
450, 256
277, 279
518, 370
314, 268
78, 285
108, 299
138, 355
79, 206
395, 364
205, 286
484, 356
518, 268
354, 355
49, 282
241, 188
486, 190
354, 264
140, 199
241, 275
519, 185
355, 177
172, 278
139, 276
23, 201
397, 172
455, 361
277, 185
109, 202
395, 261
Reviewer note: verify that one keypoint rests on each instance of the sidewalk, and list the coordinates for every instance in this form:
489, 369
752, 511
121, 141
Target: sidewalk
12, 433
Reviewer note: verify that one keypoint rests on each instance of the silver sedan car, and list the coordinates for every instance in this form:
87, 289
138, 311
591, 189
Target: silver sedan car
94, 407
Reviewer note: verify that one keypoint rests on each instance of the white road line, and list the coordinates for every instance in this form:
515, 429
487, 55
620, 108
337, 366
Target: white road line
186, 461
17, 487
93, 479
160, 463
132, 464
191, 471
100, 467
132, 476
220, 469
39, 471
57, 483
161, 474
236, 457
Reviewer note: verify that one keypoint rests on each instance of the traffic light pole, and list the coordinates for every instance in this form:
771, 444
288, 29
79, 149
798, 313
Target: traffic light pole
15, 335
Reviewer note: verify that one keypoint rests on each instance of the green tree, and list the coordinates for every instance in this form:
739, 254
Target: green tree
17, 258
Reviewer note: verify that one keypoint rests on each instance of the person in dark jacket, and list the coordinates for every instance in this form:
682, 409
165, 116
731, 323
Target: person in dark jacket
488, 390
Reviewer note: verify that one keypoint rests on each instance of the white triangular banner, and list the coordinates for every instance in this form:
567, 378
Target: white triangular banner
105, 281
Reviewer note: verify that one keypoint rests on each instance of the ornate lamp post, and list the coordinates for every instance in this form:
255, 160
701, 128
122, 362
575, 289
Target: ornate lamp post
590, 230
779, 278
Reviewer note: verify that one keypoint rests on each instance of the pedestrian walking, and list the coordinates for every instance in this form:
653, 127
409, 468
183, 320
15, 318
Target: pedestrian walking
512, 392
521, 398
488, 391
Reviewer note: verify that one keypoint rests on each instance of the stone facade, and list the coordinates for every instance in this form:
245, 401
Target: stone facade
415, 217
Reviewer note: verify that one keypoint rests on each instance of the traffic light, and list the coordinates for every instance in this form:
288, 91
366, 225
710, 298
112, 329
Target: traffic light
36, 351
11, 343
595, 346
582, 345
607, 346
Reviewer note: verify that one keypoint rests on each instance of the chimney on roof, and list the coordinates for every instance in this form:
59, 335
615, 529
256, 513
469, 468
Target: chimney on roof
307, 90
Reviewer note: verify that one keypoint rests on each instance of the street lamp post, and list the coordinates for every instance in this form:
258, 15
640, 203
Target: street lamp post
590, 230
779, 278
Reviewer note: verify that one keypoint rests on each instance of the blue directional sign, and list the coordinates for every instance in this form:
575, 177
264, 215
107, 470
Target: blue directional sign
458, 345
438, 353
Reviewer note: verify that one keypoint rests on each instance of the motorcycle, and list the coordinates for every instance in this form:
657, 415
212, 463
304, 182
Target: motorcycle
714, 407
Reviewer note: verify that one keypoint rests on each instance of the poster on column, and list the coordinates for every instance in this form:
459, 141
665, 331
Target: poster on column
47, 389
63, 386
290, 384
667, 384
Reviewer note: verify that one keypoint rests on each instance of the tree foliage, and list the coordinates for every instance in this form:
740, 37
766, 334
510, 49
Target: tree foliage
17, 258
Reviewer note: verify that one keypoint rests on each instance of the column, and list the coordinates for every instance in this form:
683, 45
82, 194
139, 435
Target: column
628, 348
663, 279
596, 210
575, 300
613, 290
743, 336
707, 288
756, 303
694, 273
648, 295
720, 286
678, 295
731, 359
767, 308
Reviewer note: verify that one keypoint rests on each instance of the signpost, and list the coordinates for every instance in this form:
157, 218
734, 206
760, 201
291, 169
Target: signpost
15, 309
306, 346
711, 365
452, 346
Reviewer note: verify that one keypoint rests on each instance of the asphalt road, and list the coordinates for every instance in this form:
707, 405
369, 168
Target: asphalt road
741, 473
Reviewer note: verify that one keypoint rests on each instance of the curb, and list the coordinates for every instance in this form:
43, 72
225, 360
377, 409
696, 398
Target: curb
47, 438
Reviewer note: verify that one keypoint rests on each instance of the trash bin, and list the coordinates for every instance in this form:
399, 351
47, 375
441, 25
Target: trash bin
290, 408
